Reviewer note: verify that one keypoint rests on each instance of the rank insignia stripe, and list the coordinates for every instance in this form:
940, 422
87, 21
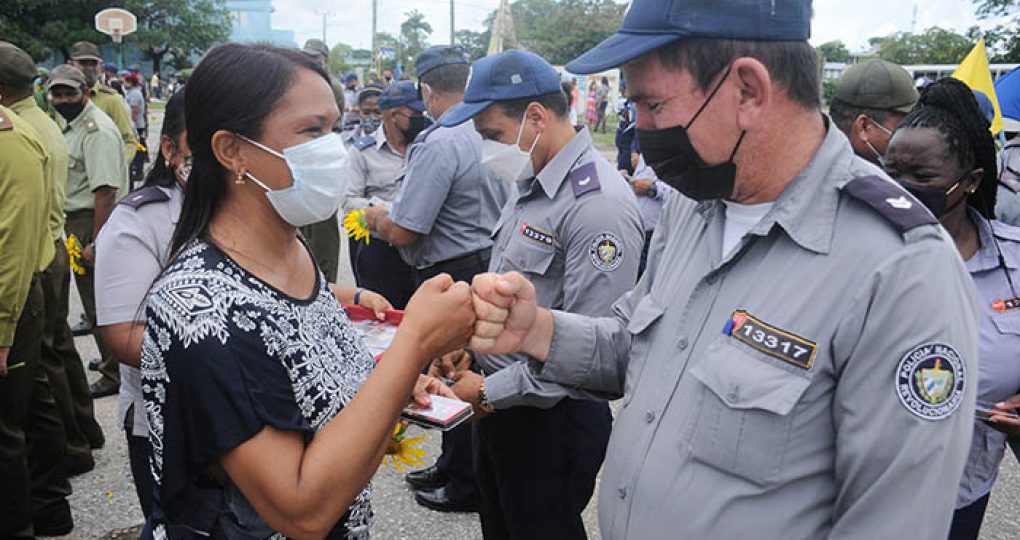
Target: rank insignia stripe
584, 179
773, 341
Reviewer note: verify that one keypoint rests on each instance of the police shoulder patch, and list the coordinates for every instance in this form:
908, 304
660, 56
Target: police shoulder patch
5, 123
606, 252
144, 196
930, 380
364, 142
891, 201
584, 180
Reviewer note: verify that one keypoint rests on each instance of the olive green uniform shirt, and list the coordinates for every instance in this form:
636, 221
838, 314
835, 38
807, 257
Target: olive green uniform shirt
25, 203
95, 159
113, 104
51, 137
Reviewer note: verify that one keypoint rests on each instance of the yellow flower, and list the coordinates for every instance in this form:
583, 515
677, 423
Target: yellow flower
403, 451
357, 226
74, 253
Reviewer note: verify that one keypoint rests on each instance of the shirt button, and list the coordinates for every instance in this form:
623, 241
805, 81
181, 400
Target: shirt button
682, 344
622, 492
649, 417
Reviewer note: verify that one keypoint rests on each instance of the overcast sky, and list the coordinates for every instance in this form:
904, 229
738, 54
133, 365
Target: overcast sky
852, 21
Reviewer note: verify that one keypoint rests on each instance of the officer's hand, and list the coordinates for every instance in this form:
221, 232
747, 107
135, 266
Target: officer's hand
641, 186
439, 317
506, 310
4, 353
376, 302
88, 255
1006, 424
430, 386
452, 362
467, 386
372, 214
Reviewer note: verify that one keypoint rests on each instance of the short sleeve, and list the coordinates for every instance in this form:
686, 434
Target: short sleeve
427, 181
210, 393
127, 263
103, 162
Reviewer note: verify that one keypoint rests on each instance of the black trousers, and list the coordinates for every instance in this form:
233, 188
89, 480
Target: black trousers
536, 468
139, 451
967, 520
457, 459
32, 444
379, 268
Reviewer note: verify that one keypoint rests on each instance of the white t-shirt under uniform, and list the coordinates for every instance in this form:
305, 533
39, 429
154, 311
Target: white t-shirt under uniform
740, 218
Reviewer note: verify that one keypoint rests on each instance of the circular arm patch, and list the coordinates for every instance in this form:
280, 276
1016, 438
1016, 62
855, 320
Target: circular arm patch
930, 381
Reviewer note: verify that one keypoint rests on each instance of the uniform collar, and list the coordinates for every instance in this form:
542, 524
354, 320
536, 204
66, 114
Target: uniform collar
806, 209
176, 195
551, 176
85, 113
21, 106
987, 257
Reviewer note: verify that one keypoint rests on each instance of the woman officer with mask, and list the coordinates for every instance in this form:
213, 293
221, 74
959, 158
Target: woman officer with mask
267, 414
942, 152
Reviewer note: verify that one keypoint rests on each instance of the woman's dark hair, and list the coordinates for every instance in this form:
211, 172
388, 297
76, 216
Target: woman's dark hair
234, 88
173, 125
949, 106
568, 90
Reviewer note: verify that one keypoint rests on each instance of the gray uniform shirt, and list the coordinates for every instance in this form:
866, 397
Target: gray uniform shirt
376, 169
771, 393
575, 232
447, 197
998, 350
131, 250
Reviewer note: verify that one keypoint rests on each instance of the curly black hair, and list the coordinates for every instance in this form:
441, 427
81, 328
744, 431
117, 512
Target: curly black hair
949, 106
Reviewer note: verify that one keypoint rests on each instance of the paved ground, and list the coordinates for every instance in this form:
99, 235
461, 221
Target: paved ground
105, 505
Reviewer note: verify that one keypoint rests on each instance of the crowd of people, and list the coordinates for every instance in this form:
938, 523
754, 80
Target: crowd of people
811, 317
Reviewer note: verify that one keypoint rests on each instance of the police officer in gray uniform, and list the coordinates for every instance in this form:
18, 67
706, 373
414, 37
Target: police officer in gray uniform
442, 222
777, 379
574, 228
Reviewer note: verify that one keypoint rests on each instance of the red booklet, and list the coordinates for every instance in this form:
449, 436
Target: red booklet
377, 335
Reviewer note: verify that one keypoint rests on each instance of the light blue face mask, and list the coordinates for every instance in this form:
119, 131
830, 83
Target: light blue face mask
320, 171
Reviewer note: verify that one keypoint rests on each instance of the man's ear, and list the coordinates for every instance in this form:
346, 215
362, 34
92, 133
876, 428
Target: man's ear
756, 91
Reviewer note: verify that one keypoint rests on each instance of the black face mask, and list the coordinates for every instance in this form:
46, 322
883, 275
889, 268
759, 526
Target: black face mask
418, 124
671, 155
70, 111
934, 198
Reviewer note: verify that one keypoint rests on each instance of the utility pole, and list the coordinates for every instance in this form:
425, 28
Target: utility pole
375, 45
325, 15
453, 30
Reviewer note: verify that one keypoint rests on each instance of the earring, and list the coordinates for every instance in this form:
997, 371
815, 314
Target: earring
240, 177
166, 162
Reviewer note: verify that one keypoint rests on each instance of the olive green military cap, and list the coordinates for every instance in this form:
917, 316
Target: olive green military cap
316, 46
67, 75
877, 84
85, 50
16, 66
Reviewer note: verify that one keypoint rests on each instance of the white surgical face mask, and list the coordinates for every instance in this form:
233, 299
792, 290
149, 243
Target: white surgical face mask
509, 161
319, 169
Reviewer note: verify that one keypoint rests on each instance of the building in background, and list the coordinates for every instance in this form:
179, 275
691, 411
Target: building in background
251, 21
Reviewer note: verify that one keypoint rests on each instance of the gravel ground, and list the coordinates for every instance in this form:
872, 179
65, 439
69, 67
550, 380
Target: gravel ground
105, 505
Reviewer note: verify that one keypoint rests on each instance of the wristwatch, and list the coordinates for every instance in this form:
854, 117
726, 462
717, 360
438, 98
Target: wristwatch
483, 401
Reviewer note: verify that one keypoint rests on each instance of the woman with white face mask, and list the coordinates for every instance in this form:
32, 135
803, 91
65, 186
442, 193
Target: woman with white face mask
247, 354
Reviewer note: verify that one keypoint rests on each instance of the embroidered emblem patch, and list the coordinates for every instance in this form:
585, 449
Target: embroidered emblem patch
770, 340
1006, 304
930, 381
606, 252
537, 235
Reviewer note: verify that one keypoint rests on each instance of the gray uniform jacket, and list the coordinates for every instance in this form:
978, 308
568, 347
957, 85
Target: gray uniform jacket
131, 249
447, 197
575, 232
375, 168
818, 382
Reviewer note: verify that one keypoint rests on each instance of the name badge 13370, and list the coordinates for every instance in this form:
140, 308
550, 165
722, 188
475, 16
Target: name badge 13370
775, 342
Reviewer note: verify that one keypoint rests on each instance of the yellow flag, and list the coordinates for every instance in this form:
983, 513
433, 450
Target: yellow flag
975, 73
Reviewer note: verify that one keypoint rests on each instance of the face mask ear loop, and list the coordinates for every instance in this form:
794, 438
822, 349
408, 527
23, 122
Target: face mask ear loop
998, 250
733, 154
260, 146
711, 95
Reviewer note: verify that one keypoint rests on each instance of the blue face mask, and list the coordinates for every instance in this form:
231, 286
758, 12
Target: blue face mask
319, 168
370, 124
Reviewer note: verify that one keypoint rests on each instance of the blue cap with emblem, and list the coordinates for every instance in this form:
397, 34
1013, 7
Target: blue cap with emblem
506, 76
650, 24
438, 55
401, 93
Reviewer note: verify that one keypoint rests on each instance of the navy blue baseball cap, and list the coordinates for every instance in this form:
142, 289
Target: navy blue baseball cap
438, 55
401, 93
506, 76
650, 24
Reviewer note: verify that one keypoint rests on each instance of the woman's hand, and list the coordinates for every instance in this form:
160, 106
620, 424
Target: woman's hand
440, 317
1010, 425
430, 386
376, 302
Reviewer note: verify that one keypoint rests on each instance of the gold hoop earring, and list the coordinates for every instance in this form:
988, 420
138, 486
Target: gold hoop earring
240, 177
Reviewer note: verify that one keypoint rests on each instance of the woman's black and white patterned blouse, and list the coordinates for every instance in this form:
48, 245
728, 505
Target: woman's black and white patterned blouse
224, 356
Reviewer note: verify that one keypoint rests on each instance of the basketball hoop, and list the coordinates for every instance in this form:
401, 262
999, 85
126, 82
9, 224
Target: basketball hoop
116, 23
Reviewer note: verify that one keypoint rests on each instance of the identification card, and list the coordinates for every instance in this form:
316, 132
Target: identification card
443, 414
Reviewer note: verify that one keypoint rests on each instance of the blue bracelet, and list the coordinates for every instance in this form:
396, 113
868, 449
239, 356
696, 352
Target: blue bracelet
357, 296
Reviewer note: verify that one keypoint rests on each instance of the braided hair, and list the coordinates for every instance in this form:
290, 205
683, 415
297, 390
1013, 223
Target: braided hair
949, 106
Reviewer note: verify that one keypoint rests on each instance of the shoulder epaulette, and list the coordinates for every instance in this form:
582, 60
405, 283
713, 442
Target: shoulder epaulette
5, 123
891, 201
144, 196
425, 134
584, 180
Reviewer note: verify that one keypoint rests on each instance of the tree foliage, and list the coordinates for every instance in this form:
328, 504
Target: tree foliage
475, 44
414, 35
933, 46
1002, 41
833, 51
561, 30
178, 27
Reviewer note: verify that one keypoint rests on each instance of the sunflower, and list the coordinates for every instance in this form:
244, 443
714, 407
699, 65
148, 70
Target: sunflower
357, 226
73, 247
403, 451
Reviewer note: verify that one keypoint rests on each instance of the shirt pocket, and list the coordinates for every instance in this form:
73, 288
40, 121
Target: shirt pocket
646, 313
75, 163
1007, 323
744, 415
529, 257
